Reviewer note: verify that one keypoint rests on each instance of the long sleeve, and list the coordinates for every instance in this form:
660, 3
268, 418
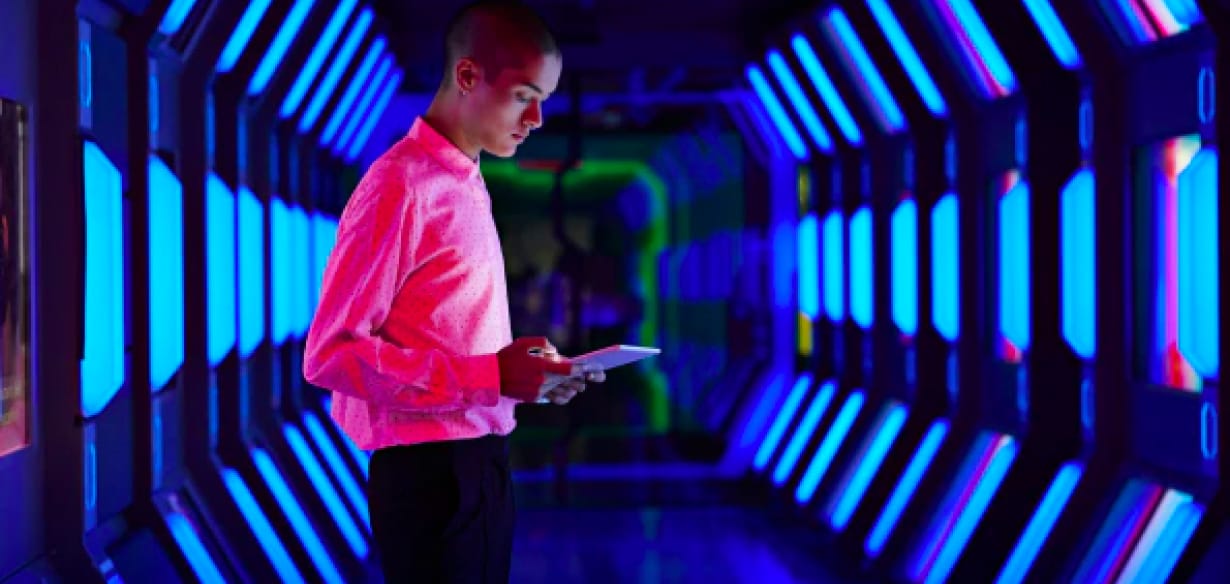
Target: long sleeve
380, 241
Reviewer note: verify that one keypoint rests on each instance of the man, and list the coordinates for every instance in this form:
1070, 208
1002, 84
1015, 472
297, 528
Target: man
412, 331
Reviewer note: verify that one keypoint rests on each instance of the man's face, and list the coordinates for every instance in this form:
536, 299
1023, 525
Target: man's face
506, 108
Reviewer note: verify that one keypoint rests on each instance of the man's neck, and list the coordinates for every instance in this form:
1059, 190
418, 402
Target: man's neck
443, 116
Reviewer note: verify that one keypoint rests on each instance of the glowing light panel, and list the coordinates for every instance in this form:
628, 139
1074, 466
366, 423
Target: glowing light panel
828, 448
862, 281
866, 464
373, 116
1014, 268
1079, 243
251, 272
904, 226
834, 267
802, 105
1199, 267
1055, 33
776, 112
175, 16
166, 273
1146, 21
283, 284
907, 55
945, 265
265, 535
862, 71
289, 504
102, 365
220, 260
281, 43
781, 421
1040, 525
904, 491
362, 112
320, 481
334, 75
242, 35
357, 84
189, 542
828, 92
803, 433
316, 59
973, 47
809, 266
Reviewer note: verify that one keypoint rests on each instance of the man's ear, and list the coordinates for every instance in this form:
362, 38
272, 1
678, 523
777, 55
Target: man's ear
466, 74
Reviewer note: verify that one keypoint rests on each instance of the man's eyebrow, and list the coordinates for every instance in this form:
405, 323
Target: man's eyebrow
534, 87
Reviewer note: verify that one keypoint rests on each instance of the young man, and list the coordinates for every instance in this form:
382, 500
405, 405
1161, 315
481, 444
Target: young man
412, 331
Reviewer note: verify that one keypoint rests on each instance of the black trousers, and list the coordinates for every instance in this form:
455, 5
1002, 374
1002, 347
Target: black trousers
443, 511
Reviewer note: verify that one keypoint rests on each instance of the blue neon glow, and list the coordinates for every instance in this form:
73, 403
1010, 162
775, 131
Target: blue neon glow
828, 448
1040, 526
261, 527
242, 35
356, 84
316, 60
1118, 531
809, 266
782, 421
1141, 22
358, 500
294, 513
220, 260
324, 237
863, 71
862, 281
320, 481
904, 491
828, 92
804, 432
977, 504
301, 262
102, 365
373, 116
251, 272
362, 111
908, 56
1056, 34
340, 63
1014, 268
176, 14
945, 266
1079, 259
281, 43
973, 46
189, 542
770, 396
1169, 531
904, 226
867, 464
1199, 267
166, 273
834, 267
794, 92
283, 285
776, 112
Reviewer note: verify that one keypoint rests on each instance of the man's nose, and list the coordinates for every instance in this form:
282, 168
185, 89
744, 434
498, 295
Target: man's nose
533, 115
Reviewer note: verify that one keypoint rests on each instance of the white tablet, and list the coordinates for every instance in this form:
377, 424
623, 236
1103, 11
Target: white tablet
617, 355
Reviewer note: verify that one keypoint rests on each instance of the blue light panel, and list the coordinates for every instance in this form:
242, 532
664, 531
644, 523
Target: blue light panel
301, 262
320, 481
809, 266
904, 226
175, 16
281, 43
804, 432
1056, 34
316, 60
781, 422
828, 448
776, 112
904, 491
324, 236
1199, 267
283, 285
289, 504
973, 48
945, 265
1040, 526
862, 281
220, 259
362, 112
770, 396
1170, 530
189, 542
242, 34
834, 267
1079, 258
166, 273
260, 525
1014, 243
344, 56
866, 464
373, 116
802, 105
828, 92
862, 71
355, 493
908, 56
251, 272
102, 364
975, 506
356, 84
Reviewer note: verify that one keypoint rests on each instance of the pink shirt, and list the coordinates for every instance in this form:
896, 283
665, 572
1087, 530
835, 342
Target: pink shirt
414, 304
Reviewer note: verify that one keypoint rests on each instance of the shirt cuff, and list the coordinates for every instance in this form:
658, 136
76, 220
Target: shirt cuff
480, 379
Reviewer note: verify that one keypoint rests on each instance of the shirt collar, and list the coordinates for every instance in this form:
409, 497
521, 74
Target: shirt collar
444, 151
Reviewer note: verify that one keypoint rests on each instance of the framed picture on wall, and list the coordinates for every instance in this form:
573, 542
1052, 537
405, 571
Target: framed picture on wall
15, 391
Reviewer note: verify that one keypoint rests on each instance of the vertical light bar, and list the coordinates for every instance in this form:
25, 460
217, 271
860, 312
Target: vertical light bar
357, 84
776, 112
866, 465
301, 272
1014, 268
316, 59
373, 116
189, 542
281, 43
344, 56
904, 491
828, 448
809, 266
362, 113
320, 481
102, 364
1039, 528
802, 105
907, 55
781, 421
904, 225
863, 71
175, 16
945, 266
828, 92
166, 273
358, 501
834, 267
265, 535
251, 272
242, 34
1079, 259
1055, 33
298, 518
862, 281
803, 433
220, 257
282, 285
980, 57
1199, 267
324, 237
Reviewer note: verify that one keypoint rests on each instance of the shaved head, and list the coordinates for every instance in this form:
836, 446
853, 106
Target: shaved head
496, 34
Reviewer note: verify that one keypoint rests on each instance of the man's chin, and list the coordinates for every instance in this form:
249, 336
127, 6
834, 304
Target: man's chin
503, 152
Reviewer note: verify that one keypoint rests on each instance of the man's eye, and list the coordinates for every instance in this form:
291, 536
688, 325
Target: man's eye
523, 99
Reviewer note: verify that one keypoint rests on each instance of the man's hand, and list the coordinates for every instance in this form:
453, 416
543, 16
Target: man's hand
532, 370
560, 389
